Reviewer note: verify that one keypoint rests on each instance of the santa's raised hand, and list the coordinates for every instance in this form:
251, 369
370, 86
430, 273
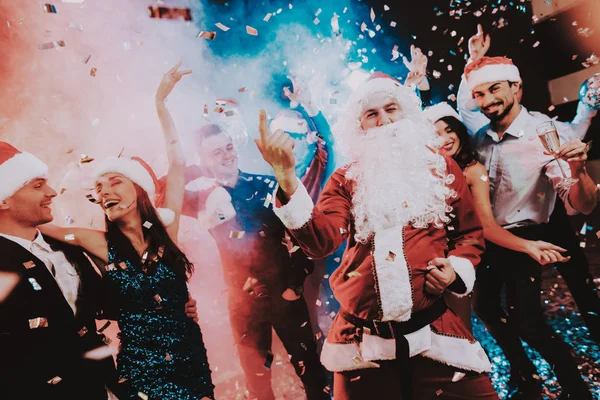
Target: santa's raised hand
277, 150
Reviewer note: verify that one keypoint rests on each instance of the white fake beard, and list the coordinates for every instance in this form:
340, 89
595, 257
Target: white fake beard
398, 178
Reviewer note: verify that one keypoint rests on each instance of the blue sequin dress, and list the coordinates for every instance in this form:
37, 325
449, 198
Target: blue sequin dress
162, 354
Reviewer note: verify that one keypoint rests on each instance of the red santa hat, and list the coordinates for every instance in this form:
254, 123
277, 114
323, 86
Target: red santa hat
289, 121
138, 171
17, 169
439, 111
491, 69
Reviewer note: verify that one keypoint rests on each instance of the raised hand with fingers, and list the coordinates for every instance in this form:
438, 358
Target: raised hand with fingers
277, 151
418, 61
169, 80
479, 44
300, 93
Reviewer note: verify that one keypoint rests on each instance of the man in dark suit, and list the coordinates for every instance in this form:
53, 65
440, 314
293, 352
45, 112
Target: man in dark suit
49, 297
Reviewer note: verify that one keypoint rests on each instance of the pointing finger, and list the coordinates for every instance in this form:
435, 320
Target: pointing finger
263, 129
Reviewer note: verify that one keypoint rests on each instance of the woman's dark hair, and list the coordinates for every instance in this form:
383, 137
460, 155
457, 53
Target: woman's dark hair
160, 244
465, 155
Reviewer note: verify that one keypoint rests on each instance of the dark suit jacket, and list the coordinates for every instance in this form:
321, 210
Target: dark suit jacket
29, 358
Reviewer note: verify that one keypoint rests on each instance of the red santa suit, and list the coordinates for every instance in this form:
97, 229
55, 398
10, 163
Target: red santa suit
384, 281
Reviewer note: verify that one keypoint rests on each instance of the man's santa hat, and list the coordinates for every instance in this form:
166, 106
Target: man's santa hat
491, 69
17, 169
439, 111
138, 171
289, 121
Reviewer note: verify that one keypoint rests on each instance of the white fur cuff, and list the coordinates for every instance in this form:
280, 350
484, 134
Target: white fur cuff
466, 271
298, 211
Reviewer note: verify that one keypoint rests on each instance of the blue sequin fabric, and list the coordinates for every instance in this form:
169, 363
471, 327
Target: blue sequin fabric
162, 354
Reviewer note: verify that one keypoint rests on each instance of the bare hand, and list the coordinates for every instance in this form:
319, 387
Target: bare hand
290, 295
418, 61
300, 95
169, 80
574, 152
545, 253
479, 44
190, 309
414, 79
277, 150
438, 279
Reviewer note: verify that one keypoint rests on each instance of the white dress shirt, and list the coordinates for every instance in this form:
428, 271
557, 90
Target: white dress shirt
523, 181
65, 274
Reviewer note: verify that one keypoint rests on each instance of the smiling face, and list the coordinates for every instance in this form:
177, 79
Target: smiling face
496, 99
218, 156
31, 205
451, 141
380, 109
117, 195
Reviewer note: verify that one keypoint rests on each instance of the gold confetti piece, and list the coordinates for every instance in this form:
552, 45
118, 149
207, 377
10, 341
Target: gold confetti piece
110, 267
391, 256
144, 257
267, 17
161, 251
170, 13
147, 224
318, 335
242, 90
123, 265
355, 378
36, 286
532, 279
353, 274
439, 392
251, 31
294, 249
51, 45
84, 159
83, 331
536, 44
318, 303
207, 35
168, 357
122, 380
342, 231
503, 320
372, 15
143, 396
99, 353
54, 381
236, 234
29, 264
436, 74
69, 237
363, 27
49, 8
357, 360
458, 376
158, 298
222, 27
93, 72
39, 322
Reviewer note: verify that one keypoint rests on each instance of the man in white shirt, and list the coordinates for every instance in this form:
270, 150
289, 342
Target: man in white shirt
524, 182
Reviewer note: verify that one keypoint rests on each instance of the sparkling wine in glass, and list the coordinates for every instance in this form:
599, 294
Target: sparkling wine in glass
549, 137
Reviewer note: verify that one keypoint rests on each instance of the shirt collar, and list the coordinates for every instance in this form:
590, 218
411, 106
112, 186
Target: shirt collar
516, 128
26, 244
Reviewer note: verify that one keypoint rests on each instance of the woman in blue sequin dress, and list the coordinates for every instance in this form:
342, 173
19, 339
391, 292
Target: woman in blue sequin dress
162, 353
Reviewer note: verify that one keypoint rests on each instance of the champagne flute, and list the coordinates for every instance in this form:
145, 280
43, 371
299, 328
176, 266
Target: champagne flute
549, 137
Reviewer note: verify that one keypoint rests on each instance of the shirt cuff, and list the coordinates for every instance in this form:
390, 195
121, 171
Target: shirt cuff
466, 272
297, 211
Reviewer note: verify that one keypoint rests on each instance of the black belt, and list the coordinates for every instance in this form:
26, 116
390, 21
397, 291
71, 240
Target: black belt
391, 329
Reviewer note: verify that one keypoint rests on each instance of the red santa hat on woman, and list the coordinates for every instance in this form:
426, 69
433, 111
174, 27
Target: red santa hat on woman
439, 111
138, 171
491, 69
17, 169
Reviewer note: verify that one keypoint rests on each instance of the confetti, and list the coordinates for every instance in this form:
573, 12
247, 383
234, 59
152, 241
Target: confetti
79, 27
29, 264
386, 8
395, 53
170, 13
93, 72
69, 237
436, 74
110, 267
484, 178
54, 381
51, 45
161, 251
582, 245
143, 396
236, 234
39, 322
99, 353
222, 27
357, 360
458, 376
591, 61
251, 31
318, 335
342, 231
267, 17
49, 8
242, 90
211, 35
83, 331
87, 59
147, 224
393, 24
318, 12
391, 256
353, 274
372, 15
316, 21
355, 378
123, 264
36, 286
84, 159
318, 303
439, 392
536, 44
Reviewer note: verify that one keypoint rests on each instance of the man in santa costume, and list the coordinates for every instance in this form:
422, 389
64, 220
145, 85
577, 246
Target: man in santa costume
412, 233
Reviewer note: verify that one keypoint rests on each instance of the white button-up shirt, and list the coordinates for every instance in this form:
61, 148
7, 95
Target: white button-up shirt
65, 274
523, 180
